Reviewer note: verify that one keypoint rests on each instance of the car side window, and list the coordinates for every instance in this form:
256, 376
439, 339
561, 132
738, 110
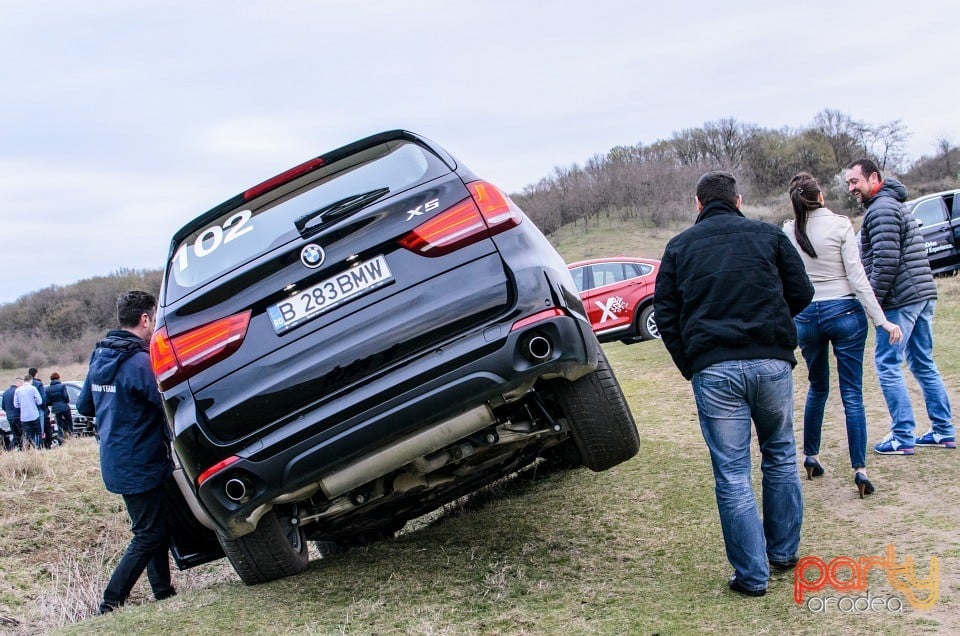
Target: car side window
638, 269
579, 278
930, 212
607, 274
953, 202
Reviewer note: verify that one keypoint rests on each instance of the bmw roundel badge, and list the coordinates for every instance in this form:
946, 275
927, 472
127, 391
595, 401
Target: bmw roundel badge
312, 255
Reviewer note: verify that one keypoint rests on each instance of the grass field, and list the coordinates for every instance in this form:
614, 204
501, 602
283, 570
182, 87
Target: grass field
634, 550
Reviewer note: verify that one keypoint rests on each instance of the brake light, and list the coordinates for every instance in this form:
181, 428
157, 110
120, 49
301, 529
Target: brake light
499, 210
178, 358
487, 212
283, 177
162, 358
457, 227
216, 468
546, 314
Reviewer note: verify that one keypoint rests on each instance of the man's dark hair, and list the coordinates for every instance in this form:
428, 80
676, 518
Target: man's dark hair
32, 371
717, 186
133, 304
867, 167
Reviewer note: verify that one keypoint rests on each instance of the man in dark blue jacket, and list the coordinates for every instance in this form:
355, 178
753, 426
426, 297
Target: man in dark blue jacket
725, 298
895, 260
121, 392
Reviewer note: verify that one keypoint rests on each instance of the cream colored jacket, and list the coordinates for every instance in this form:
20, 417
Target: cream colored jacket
837, 271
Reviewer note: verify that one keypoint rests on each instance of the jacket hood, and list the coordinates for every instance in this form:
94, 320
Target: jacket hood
892, 188
110, 353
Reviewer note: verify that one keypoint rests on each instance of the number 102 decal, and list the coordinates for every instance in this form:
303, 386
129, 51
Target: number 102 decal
209, 240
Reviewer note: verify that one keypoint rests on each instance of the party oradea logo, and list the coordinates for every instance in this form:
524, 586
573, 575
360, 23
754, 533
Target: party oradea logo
848, 575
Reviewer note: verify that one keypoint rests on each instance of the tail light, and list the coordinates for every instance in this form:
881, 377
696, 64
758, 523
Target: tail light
488, 211
178, 358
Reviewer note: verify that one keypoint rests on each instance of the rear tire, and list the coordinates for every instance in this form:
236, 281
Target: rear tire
601, 425
273, 551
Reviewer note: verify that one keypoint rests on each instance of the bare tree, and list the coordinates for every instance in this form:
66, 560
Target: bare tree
844, 135
887, 143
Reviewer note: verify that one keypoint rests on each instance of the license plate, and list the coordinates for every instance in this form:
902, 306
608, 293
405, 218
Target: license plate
329, 294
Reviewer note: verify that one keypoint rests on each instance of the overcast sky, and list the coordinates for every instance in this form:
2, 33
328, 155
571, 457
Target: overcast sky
120, 120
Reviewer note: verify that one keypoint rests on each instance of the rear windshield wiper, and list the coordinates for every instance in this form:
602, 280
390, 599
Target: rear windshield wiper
338, 209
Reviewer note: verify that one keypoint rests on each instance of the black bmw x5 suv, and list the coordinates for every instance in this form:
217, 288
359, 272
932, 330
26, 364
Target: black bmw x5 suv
360, 340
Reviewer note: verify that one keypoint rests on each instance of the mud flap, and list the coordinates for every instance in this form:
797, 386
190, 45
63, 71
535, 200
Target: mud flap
191, 543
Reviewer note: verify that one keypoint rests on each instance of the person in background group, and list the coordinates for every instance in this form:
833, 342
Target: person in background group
13, 414
59, 402
895, 259
121, 392
725, 298
44, 408
836, 317
27, 399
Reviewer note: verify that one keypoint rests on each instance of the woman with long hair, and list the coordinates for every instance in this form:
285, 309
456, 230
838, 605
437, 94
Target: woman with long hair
837, 316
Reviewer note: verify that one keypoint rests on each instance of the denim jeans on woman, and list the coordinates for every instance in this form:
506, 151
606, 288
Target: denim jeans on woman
843, 324
729, 394
916, 322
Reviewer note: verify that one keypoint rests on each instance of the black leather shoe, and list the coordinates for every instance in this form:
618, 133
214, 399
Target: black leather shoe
736, 586
783, 566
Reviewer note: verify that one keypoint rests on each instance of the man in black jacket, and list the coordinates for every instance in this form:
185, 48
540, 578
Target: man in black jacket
726, 294
895, 260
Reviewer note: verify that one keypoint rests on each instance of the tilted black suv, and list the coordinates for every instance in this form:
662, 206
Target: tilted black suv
359, 340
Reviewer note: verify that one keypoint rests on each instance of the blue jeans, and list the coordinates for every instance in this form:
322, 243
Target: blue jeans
844, 324
728, 395
916, 322
33, 431
147, 550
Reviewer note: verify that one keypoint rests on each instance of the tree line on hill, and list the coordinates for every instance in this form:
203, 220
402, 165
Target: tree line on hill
653, 183
650, 185
61, 324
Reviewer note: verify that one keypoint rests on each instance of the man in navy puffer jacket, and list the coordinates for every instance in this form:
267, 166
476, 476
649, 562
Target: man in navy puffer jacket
121, 392
895, 260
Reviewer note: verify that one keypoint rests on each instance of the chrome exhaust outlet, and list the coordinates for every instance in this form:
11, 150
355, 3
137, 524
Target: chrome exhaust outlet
236, 490
538, 348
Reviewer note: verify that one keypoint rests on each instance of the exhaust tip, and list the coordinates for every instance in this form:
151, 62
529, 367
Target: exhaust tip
236, 490
538, 348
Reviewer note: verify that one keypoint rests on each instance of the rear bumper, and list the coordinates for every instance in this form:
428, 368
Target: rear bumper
485, 367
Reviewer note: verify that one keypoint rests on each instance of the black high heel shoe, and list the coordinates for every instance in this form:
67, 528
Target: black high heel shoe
814, 469
863, 484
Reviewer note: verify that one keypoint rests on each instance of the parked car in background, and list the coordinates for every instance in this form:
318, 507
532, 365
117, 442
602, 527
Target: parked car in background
360, 340
938, 216
618, 295
82, 425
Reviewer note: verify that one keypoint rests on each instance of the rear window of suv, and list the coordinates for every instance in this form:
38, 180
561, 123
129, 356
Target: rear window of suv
272, 220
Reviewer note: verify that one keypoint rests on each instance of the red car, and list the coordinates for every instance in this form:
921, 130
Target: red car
618, 295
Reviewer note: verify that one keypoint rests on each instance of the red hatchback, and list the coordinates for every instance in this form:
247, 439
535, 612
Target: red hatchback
618, 295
